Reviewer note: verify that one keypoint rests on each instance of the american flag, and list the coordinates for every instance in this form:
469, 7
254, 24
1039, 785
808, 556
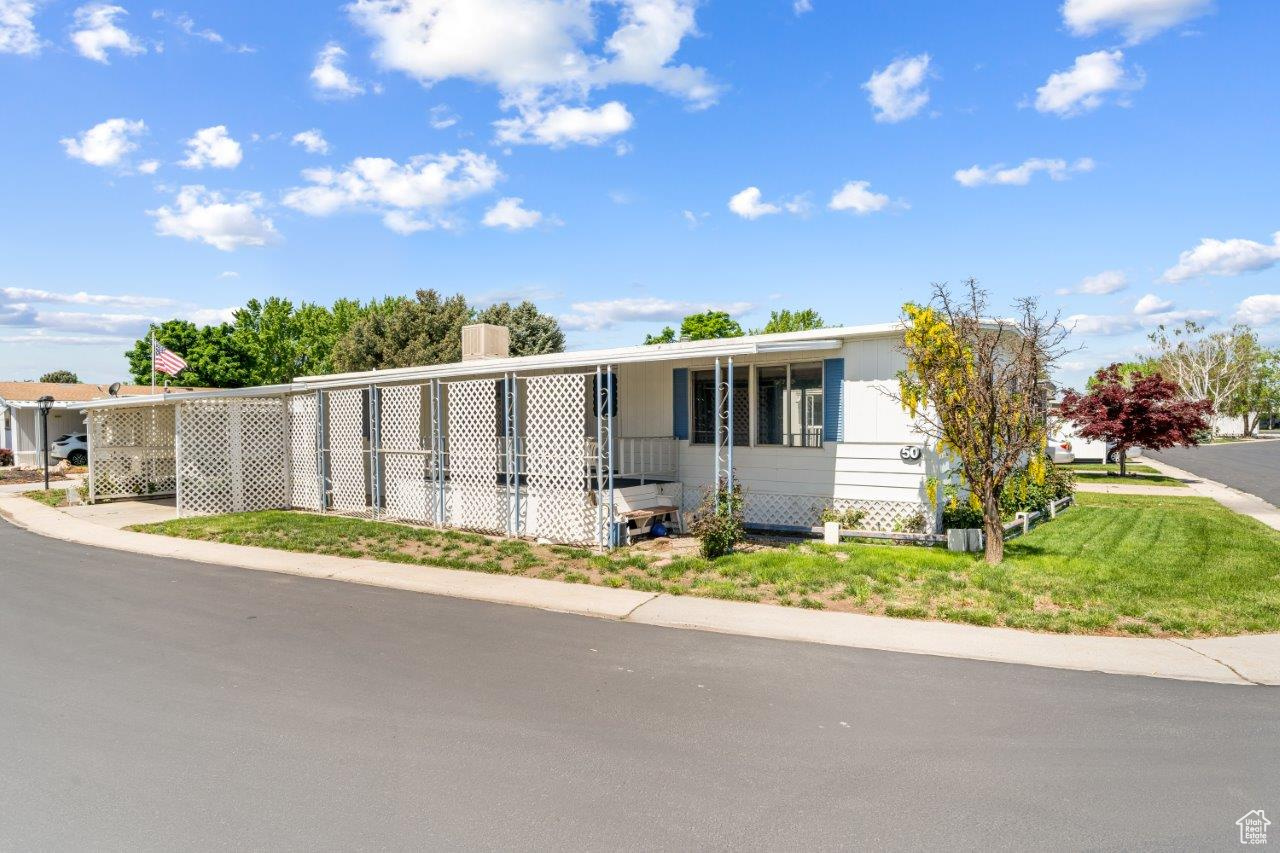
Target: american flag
167, 361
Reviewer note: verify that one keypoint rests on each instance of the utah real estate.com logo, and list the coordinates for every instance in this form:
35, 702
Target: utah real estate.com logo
1253, 827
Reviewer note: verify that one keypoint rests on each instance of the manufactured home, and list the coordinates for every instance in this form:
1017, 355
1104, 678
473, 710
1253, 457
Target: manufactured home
554, 447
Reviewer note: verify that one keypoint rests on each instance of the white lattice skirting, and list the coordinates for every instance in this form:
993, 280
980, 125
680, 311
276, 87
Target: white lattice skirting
767, 509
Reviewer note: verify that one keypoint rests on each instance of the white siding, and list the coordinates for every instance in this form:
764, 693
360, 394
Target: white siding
644, 399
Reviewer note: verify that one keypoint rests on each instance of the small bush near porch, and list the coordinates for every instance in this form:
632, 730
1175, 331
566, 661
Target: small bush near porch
1114, 564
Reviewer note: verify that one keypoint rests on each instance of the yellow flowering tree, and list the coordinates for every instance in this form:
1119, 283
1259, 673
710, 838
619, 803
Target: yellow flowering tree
978, 388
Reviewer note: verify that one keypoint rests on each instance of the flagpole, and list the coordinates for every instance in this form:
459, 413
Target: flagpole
153, 359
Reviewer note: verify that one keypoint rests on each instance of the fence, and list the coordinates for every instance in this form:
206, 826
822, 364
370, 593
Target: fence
232, 455
131, 453
505, 456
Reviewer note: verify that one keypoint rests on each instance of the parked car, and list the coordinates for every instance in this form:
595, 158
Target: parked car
1060, 452
1130, 454
73, 448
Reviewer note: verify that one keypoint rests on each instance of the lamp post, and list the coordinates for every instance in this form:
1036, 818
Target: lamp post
45, 403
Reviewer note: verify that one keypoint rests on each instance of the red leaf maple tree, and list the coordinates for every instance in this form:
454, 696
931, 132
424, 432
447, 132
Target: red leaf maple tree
1135, 411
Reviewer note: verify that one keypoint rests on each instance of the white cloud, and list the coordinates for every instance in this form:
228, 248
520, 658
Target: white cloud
312, 140
1084, 86
748, 205
98, 32
1105, 282
1103, 325
801, 7
441, 118
149, 167
188, 26
508, 213
693, 220
1224, 258
898, 91
1139, 19
1020, 175
17, 28
1152, 304
411, 197
561, 125
106, 143
858, 197
213, 147
46, 297
1100, 324
595, 316
199, 214
1262, 309
541, 55
329, 77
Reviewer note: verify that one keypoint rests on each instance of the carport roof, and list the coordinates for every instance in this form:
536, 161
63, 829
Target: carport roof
24, 394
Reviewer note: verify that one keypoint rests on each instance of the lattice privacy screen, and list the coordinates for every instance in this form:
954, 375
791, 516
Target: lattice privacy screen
131, 452
408, 482
475, 499
304, 451
232, 456
556, 460
348, 451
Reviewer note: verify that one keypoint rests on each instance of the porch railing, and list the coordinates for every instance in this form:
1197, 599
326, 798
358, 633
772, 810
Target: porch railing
642, 456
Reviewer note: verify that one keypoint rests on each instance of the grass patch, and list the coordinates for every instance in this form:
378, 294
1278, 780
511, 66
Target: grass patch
1137, 565
1136, 474
50, 497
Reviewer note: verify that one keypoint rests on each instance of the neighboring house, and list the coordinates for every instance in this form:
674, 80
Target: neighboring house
518, 446
21, 413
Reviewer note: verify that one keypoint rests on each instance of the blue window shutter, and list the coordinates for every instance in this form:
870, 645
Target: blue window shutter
833, 399
680, 403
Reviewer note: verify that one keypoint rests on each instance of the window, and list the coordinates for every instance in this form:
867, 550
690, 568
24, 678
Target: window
789, 405
704, 407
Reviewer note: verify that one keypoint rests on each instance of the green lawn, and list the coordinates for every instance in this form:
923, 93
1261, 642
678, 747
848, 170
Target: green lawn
52, 497
1113, 564
1137, 473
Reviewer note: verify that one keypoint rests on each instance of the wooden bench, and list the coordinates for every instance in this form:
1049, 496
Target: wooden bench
641, 506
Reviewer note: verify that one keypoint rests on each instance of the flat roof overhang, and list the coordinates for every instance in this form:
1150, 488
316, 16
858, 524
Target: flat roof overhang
810, 341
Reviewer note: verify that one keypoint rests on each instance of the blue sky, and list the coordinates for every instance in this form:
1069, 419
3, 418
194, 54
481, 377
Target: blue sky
623, 162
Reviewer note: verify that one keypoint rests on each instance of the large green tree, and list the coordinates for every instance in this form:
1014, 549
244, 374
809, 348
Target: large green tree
787, 320
532, 332
63, 377
700, 327
402, 332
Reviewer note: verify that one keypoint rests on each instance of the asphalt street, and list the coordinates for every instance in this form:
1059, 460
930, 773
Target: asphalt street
1250, 466
148, 703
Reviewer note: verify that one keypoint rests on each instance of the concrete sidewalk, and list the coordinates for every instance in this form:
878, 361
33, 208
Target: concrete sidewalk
1240, 660
1133, 489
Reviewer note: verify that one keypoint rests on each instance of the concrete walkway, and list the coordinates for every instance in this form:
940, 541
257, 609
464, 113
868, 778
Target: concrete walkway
1133, 489
1241, 660
1233, 499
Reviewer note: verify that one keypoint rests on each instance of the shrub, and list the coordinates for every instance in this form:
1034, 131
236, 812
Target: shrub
719, 524
1033, 488
914, 523
849, 519
6, 456
961, 516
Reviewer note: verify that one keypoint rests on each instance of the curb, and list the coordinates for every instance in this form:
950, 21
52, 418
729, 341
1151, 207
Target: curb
1246, 660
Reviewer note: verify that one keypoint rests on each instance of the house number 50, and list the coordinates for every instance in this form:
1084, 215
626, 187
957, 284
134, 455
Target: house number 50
910, 453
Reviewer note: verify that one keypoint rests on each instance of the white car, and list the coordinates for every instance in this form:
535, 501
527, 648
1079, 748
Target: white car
73, 448
1060, 452
1130, 454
